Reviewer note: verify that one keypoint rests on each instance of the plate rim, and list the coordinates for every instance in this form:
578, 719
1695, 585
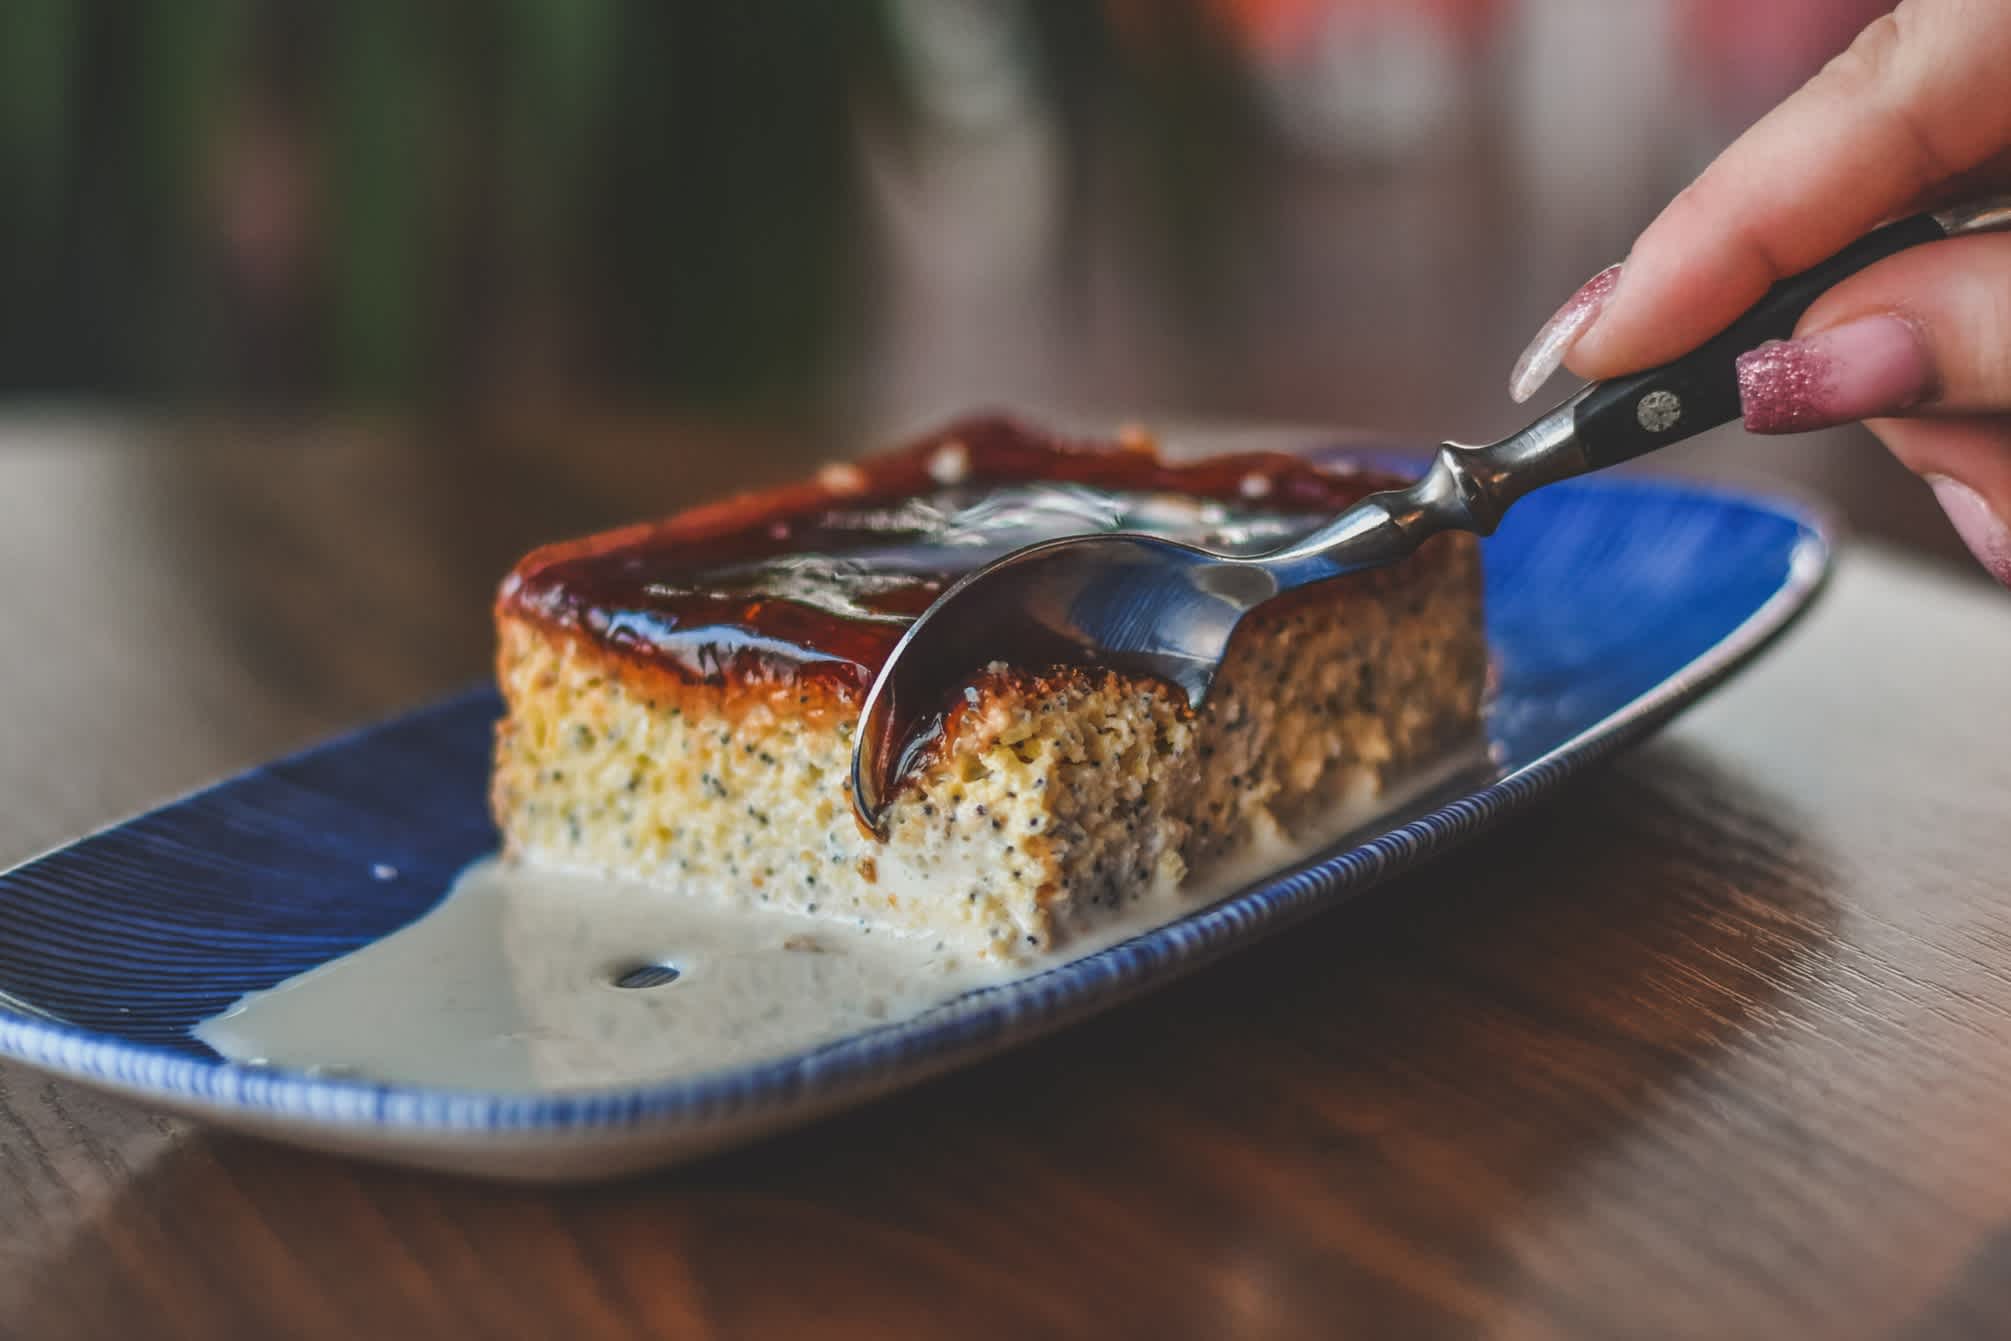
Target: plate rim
863, 1066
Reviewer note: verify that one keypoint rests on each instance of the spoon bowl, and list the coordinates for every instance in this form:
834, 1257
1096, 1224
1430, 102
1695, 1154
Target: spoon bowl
1138, 604
1143, 605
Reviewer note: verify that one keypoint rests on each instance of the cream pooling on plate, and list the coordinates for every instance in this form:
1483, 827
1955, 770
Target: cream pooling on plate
510, 982
680, 696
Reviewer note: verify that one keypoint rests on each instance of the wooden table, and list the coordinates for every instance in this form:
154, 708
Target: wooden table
1717, 1044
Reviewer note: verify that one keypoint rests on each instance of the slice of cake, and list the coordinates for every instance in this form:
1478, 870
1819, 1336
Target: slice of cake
682, 694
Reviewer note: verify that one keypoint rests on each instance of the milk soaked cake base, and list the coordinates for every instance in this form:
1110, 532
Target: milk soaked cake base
1055, 795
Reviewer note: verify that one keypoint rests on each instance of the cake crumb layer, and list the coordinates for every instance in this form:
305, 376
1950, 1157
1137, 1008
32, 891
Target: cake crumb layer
1058, 797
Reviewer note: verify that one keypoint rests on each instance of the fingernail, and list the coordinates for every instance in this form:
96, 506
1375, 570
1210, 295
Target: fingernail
1871, 366
1987, 535
1546, 352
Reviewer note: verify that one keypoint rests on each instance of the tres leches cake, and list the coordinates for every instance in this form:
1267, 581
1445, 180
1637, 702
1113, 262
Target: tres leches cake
682, 694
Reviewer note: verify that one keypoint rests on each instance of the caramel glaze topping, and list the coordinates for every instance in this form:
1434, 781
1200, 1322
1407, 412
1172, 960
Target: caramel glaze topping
815, 582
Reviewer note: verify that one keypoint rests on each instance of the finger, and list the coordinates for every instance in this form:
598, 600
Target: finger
1925, 332
1912, 104
1968, 463
1957, 295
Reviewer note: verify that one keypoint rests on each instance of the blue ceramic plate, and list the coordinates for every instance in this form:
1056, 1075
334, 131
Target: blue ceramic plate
1611, 605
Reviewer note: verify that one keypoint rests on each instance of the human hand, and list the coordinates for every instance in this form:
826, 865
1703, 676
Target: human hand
1914, 115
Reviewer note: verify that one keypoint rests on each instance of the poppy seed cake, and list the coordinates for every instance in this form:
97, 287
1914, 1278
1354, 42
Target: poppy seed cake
681, 695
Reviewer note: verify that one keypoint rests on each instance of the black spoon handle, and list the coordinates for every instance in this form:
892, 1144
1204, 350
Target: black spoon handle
1629, 416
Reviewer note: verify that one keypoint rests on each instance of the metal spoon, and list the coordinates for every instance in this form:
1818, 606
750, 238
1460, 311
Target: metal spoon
1150, 606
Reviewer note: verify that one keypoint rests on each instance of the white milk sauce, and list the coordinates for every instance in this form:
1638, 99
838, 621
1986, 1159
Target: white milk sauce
512, 981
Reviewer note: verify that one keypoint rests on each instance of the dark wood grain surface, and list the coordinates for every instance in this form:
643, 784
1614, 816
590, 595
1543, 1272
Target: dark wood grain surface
1717, 1044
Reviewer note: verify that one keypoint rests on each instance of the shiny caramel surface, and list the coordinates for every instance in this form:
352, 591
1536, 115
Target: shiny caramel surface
819, 580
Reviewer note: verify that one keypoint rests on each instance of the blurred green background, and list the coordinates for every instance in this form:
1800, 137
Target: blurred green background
1336, 209
378, 201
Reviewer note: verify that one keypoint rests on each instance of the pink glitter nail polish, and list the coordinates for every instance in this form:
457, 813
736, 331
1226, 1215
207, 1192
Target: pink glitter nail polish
1546, 353
1868, 367
1782, 384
